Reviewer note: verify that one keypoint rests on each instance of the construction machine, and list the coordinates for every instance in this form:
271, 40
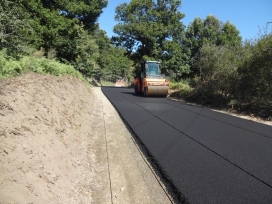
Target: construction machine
149, 81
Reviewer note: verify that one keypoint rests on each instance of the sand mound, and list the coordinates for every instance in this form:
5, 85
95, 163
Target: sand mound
46, 151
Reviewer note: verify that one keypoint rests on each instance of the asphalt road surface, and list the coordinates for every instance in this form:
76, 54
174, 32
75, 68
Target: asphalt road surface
209, 157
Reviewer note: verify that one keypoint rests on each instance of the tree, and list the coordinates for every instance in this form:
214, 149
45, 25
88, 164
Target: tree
209, 31
255, 74
86, 11
229, 35
12, 24
58, 24
218, 67
114, 63
87, 54
149, 29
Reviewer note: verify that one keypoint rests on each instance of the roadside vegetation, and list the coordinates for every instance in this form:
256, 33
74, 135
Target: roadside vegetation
207, 62
236, 78
34, 63
58, 37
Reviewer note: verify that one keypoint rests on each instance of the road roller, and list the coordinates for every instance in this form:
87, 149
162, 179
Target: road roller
149, 81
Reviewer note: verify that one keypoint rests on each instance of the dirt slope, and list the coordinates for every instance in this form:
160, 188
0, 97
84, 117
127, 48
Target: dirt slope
62, 142
45, 151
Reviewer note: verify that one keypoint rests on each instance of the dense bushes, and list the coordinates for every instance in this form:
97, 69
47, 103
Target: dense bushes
239, 76
255, 77
217, 65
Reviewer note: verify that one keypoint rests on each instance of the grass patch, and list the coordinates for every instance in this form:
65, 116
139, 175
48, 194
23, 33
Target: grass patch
10, 67
106, 83
180, 89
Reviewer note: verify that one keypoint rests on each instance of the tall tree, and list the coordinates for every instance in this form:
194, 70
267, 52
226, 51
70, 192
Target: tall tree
229, 35
149, 29
201, 32
209, 31
86, 11
12, 25
114, 63
58, 24
87, 53
112, 60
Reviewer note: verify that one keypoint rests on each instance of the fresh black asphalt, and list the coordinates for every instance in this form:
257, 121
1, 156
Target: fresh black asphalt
209, 157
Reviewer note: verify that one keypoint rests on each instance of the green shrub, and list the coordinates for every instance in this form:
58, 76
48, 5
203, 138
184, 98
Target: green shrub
237, 77
181, 89
218, 67
180, 84
10, 67
255, 76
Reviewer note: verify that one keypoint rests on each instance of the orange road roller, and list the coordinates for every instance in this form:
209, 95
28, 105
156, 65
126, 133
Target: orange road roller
149, 81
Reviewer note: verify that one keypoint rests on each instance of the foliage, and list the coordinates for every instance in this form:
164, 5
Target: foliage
212, 32
87, 55
115, 64
234, 76
229, 35
154, 31
180, 84
10, 67
255, 76
65, 30
51, 24
50, 30
180, 89
12, 24
218, 65
86, 11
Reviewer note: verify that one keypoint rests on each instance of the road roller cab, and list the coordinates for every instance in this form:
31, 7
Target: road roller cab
150, 81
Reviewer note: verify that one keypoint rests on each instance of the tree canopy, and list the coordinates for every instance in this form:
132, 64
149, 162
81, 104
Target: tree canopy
63, 29
149, 29
59, 23
12, 23
212, 32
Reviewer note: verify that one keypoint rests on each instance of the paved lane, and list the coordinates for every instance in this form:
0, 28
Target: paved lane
208, 156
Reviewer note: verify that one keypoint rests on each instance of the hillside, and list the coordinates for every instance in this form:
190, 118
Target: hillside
45, 148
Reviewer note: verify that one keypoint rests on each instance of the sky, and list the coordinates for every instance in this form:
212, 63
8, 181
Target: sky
249, 16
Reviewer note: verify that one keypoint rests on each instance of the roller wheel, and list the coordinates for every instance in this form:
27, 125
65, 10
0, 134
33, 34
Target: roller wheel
136, 90
145, 92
